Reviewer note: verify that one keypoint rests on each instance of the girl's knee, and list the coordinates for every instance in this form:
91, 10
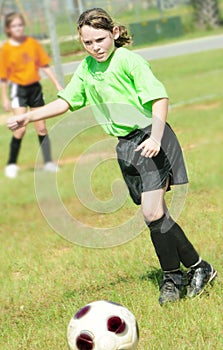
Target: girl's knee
40, 127
19, 133
152, 214
153, 205
41, 131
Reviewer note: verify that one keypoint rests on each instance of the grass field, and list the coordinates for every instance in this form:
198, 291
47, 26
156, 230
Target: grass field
44, 279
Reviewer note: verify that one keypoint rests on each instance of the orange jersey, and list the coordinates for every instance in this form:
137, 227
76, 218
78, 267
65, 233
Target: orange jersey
20, 64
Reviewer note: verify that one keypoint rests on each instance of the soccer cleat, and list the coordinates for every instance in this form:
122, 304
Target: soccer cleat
198, 278
171, 287
51, 167
11, 171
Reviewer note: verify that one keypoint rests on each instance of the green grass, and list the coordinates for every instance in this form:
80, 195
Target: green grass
44, 279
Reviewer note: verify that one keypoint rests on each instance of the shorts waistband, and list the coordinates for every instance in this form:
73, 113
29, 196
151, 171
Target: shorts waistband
36, 83
136, 132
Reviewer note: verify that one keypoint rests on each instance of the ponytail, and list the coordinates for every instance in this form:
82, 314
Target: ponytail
124, 38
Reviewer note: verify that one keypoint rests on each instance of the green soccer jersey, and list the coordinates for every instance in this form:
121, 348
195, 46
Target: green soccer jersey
120, 91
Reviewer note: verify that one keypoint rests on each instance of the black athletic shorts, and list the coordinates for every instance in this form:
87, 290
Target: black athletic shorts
143, 174
26, 95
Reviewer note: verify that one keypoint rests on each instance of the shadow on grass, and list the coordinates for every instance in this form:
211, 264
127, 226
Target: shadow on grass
99, 287
154, 275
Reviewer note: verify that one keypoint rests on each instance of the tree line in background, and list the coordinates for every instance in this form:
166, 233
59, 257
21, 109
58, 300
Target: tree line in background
206, 13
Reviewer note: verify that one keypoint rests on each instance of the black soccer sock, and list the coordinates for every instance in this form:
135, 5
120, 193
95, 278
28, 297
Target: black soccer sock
171, 244
187, 253
45, 146
14, 149
165, 244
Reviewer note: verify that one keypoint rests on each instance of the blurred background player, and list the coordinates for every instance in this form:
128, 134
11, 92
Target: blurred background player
21, 57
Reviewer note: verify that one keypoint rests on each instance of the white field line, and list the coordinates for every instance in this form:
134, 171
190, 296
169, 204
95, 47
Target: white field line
195, 100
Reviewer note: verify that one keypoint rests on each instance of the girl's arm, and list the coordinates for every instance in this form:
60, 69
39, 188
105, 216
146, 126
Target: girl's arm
5, 100
151, 147
159, 113
50, 110
48, 71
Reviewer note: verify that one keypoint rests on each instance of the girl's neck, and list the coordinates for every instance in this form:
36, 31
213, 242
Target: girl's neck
17, 41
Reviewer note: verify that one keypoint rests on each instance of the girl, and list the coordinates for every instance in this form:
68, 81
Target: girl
148, 152
20, 60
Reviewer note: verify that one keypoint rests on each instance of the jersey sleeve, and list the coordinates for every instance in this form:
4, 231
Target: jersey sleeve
74, 93
42, 57
3, 66
147, 86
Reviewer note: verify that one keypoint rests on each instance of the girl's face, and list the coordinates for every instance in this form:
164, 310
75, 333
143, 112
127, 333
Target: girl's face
16, 29
99, 43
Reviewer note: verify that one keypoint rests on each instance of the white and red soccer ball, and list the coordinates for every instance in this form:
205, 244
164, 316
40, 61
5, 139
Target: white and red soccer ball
103, 325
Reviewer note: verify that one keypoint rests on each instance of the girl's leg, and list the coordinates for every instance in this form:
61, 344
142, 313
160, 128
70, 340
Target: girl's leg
154, 211
173, 247
11, 169
164, 228
44, 141
170, 243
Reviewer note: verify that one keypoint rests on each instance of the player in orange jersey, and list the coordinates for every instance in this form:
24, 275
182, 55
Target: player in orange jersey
21, 58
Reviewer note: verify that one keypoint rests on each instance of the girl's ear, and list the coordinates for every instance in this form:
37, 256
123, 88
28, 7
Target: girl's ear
116, 32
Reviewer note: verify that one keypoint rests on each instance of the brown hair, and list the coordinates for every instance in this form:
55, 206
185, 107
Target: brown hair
9, 18
100, 19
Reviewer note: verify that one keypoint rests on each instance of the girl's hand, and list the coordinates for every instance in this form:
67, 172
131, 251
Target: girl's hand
17, 122
150, 148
